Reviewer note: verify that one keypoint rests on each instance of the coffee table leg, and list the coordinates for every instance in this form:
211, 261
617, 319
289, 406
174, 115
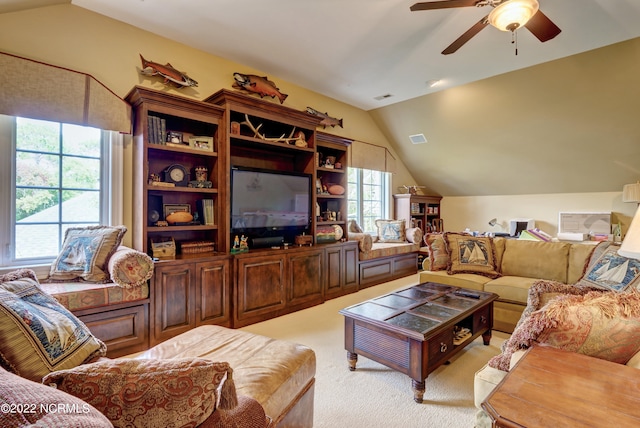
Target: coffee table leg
418, 390
486, 337
352, 359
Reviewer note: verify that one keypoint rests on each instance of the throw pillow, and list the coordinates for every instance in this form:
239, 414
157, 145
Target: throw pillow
610, 271
151, 393
471, 254
85, 253
355, 227
39, 405
600, 324
542, 291
438, 254
130, 268
37, 334
391, 231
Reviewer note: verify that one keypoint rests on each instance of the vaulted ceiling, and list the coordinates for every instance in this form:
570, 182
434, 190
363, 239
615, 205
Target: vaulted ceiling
551, 119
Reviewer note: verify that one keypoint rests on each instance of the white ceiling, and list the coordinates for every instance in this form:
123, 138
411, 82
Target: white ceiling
356, 50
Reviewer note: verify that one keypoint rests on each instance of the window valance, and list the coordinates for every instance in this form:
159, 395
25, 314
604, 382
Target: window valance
370, 156
37, 90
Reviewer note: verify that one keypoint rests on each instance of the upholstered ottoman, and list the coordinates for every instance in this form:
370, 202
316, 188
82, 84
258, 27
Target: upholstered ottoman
280, 375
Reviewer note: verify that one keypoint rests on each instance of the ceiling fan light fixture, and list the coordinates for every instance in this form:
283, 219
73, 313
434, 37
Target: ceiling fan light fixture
513, 14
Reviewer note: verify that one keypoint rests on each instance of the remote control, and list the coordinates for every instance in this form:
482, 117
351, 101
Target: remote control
468, 294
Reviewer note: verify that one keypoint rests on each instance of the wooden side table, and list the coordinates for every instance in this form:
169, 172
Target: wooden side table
553, 388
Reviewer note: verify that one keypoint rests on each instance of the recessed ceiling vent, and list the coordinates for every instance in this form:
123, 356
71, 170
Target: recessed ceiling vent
382, 97
417, 139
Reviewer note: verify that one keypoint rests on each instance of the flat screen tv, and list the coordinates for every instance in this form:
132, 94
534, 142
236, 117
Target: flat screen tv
269, 203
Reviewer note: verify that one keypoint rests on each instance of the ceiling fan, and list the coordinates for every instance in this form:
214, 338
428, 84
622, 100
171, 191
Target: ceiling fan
506, 15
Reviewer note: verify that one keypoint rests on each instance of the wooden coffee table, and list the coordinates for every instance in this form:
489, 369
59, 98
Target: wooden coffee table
553, 388
414, 330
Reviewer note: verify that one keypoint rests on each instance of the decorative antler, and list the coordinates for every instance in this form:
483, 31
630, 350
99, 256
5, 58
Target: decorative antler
289, 140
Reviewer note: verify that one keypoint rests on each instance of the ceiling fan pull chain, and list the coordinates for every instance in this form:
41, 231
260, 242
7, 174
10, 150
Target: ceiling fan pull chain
514, 40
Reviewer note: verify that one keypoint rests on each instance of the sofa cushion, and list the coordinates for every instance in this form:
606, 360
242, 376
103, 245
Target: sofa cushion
85, 253
391, 231
535, 259
171, 393
37, 334
385, 249
365, 242
511, 288
130, 268
471, 254
247, 414
40, 406
464, 280
579, 256
437, 249
76, 296
354, 227
610, 271
604, 325
269, 370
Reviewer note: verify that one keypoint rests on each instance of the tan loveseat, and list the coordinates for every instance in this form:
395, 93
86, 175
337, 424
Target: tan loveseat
520, 264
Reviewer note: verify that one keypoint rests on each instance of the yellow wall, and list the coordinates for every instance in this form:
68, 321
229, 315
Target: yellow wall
75, 38
474, 212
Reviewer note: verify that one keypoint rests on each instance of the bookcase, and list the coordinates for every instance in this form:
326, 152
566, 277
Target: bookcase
419, 211
178, 168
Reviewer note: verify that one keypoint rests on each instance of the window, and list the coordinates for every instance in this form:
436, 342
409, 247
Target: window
60, 177
368, 197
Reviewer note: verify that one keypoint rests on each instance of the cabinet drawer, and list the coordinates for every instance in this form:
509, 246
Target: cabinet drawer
124, 331
440, 346
481, 320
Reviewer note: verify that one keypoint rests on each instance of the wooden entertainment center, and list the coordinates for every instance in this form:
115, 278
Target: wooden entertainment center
225, 286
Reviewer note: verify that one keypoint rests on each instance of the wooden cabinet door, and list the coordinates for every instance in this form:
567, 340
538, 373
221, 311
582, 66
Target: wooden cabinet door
341, 269
260, 289
350, 266
174, 300
333, 270
212, 292
305, 281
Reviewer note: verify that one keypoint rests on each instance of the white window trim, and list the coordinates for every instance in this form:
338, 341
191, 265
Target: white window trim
111, 172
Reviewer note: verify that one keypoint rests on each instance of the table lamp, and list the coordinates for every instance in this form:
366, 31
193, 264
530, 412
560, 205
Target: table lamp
631, 244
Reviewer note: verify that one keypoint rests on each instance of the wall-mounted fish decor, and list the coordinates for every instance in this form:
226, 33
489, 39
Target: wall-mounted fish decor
170, 74
326, 119
258, 85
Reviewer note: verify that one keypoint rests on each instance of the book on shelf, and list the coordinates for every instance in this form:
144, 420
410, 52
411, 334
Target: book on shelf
157, 129
206, 211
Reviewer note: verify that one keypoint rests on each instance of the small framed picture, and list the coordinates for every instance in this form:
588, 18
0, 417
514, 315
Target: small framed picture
174, 137
172, 208
201, 143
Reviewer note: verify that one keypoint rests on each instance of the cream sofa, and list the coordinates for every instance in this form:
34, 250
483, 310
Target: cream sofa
597, 322
41, 341
520, 263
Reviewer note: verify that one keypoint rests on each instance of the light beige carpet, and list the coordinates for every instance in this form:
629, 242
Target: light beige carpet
374, 395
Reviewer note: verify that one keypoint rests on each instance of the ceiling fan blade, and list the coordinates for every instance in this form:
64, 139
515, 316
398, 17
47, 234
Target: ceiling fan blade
466, 36
542, 27
430, 5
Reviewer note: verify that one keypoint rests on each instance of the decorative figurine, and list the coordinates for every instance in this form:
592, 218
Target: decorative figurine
240, 245
170, 74
258, 85
326, 119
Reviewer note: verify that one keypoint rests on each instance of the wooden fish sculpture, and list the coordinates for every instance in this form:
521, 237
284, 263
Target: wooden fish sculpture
170, 74
259, 85
326, 119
